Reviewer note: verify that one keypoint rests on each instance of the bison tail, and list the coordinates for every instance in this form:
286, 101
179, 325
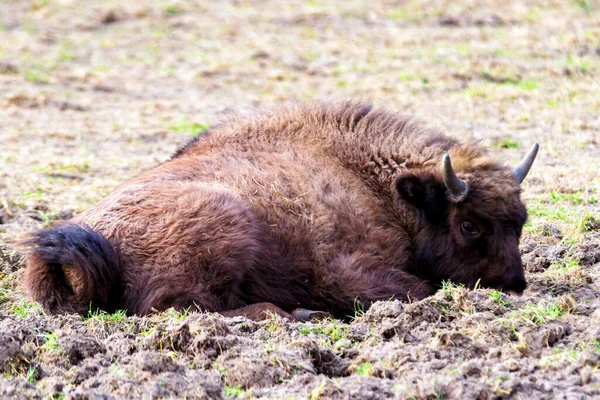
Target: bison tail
70, 268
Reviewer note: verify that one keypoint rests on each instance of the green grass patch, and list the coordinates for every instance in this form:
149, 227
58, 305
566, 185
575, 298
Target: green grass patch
478, 91
455, 299
566, 264
66, 55
507, 143
331, 330
578, 197
532, 15
30, 376
39, 4
4, 296
568, 212
401, 14
275, 322
501, 79
551, 212
38, 193
178, 315
585, 5
570, 353
567, 271
22, 308
100, 315
63, 168
51, 341
171, 10
528, 85
234, 391
192, 128
464, 49
589, 222
448, 287
533, 314
100, 319
37, 76
359, 309
499, 298
365, 369
577, 63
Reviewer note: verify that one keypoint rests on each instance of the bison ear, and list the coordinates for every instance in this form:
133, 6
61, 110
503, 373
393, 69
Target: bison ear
422, 191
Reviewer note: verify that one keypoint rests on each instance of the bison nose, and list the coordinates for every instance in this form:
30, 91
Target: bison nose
516, 286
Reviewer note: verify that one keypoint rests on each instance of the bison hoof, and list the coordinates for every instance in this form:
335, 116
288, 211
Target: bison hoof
303, 315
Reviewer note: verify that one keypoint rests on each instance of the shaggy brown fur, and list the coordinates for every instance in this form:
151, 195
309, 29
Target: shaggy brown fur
312, 206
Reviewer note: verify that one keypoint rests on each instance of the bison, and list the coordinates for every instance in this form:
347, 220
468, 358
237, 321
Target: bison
301, 210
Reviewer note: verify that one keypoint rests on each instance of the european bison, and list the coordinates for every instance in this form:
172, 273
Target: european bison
305, 207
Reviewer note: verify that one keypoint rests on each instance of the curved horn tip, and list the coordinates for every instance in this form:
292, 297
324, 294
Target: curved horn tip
534, 148
524, 166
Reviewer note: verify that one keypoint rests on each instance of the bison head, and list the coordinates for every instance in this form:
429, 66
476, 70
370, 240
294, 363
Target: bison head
468, 228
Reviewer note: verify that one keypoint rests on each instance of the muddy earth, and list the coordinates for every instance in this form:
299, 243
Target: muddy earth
94, 92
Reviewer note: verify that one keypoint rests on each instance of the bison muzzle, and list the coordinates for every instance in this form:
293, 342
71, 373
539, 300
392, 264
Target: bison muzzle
298, 208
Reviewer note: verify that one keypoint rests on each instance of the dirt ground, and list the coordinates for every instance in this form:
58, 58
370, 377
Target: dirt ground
94, 92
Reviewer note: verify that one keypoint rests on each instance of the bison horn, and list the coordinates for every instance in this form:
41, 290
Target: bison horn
456, 186
525, 165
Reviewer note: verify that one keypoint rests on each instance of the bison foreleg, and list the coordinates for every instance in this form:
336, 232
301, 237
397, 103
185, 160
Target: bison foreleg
304, 315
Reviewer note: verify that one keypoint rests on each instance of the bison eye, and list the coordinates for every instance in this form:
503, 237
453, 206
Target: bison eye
468, 229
